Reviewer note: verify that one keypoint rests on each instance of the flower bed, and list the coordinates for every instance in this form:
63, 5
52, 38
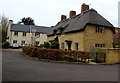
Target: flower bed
56, 54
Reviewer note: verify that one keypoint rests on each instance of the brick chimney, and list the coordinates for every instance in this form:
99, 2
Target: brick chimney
84, 7
72, 13
63, 17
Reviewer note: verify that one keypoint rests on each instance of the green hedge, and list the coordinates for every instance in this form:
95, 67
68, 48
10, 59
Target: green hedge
56, 54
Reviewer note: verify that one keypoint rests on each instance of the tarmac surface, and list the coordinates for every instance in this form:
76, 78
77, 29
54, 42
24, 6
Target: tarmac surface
17, 67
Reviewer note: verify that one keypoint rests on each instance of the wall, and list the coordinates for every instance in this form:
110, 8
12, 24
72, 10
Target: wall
92, 37
112, 55
27, 38
77, 37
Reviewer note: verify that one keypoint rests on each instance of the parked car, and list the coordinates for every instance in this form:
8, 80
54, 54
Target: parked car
15, 45
24, 45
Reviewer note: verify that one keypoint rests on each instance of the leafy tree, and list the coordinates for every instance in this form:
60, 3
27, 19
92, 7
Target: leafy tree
55, 45
46, 44
4, 22
27, 21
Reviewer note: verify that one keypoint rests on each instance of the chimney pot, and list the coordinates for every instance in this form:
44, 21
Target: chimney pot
84, 7
72, 13
63, 17
10, 20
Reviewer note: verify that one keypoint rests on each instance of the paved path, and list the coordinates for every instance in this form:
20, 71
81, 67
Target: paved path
17, 67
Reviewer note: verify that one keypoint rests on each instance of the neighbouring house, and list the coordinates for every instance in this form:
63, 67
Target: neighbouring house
83, 31
117, 37
26, 34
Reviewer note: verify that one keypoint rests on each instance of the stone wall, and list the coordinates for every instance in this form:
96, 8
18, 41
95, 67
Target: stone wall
112, 55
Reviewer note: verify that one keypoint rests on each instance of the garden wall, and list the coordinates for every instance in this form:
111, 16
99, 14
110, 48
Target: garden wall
112, 55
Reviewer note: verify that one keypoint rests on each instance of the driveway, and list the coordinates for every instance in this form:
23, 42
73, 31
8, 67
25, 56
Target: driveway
17, 67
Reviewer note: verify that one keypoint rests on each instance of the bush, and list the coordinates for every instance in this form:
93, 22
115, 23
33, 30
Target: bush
41, 46
55, 45
46, 44
27, 50
55, 54
5, 45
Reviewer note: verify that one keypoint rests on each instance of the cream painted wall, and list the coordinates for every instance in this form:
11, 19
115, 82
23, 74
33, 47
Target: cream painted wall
92, 37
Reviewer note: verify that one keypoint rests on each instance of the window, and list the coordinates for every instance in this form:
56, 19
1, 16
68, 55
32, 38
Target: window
37, 34
16, 33
61, 29
99, 29
62, 45
54, 31
22, 42
76, 46
14, 41
24, 33
37, 43
99, 45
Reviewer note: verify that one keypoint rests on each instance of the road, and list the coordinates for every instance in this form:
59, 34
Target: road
17, 67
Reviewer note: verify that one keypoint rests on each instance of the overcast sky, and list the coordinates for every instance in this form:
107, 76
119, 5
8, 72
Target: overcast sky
48, 12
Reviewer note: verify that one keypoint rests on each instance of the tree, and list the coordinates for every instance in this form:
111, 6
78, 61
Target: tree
55, 45
4, 22
27, 21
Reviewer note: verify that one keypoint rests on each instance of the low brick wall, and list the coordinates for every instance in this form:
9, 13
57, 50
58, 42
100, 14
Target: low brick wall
112, 55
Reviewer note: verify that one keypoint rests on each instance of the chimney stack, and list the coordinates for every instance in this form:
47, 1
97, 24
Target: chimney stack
63, 17
84, 7
72, 13
11, 21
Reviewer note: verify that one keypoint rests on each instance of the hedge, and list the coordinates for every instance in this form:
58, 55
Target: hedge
27, 50
56, 54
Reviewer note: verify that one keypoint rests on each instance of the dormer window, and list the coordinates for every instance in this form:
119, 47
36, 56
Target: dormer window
61, 29
16, 33
99, 29
54, 31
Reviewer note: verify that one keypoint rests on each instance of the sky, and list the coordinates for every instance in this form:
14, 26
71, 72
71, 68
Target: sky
48, 12
119, 14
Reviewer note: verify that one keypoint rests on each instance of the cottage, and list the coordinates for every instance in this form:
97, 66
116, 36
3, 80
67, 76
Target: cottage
26, 34
83, 31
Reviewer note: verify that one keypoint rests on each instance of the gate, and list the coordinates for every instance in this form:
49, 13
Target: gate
98, 57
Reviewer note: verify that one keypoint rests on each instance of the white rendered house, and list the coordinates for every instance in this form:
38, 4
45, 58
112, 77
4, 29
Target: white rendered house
26, 34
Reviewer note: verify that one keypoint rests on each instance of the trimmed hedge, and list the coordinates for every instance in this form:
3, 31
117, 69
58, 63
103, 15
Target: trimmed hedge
55, 54
27, 50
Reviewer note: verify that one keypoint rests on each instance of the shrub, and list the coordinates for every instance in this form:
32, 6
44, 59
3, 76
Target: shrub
27, 50
55, 54
46, 44
55, 45
5, 45
41, 45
